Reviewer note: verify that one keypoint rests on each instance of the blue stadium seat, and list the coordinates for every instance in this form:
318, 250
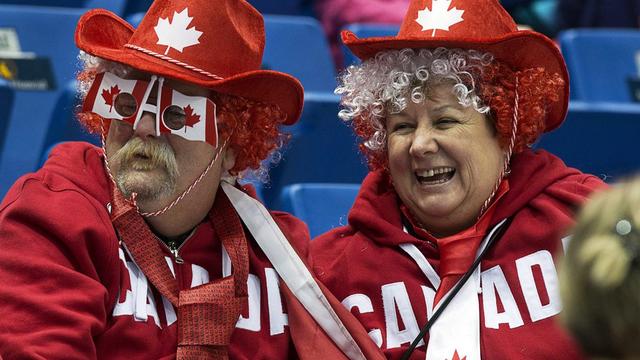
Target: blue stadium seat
298, 46
47, 32
282, 7
6, 106
366, 31
322, 149
600, 61
63, 125
598, 138
117, 6
321, 206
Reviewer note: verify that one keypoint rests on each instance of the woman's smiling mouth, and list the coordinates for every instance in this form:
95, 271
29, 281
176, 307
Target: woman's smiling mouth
435, 176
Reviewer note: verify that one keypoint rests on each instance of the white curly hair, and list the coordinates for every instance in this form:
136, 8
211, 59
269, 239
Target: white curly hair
87, 62
384, 84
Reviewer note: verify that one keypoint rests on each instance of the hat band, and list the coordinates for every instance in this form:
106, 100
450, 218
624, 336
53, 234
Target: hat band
173, 61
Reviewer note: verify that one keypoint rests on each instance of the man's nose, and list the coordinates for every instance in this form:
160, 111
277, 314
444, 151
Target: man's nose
146, 127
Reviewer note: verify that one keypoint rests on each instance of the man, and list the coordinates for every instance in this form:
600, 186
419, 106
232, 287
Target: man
148, 248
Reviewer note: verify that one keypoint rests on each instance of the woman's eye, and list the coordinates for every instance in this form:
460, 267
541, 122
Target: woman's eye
444, 122
401, 127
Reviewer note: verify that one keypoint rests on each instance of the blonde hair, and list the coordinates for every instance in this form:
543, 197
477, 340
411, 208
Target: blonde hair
600, 274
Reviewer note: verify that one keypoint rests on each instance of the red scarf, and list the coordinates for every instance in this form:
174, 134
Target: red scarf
458, 251
207, 314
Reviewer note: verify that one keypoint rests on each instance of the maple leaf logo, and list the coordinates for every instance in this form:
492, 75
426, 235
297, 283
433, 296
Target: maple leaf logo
110, 96
457, 357
174, 33
190, 118
439, 17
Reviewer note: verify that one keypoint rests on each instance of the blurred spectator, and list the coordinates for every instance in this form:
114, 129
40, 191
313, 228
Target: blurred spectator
336, 14
600, 275
540, 15
598, 13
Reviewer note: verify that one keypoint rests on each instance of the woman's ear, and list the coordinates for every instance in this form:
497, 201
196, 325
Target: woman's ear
229, 159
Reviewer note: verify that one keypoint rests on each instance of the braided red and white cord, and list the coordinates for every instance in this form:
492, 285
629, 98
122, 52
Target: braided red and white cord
174, 202
173, 61
186, 191
508, 153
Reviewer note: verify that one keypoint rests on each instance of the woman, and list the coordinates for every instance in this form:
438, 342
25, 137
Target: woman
600, 276
447, 110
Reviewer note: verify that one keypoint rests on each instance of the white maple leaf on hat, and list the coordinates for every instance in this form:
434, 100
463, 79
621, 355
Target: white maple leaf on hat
174, 33
439, 17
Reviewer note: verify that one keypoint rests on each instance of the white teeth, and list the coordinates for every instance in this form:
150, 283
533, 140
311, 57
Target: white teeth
431, 172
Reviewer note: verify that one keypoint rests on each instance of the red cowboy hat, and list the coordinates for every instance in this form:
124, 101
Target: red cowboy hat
215, 44
472, 24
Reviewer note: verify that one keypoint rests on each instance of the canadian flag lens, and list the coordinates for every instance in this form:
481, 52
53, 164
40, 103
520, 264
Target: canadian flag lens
174, 117
125, 105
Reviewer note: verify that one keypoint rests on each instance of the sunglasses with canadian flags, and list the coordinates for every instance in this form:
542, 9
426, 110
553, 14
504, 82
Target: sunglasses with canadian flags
190, 117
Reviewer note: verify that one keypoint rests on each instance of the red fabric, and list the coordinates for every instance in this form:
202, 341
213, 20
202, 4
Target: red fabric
313, 343
143, 245
63, 274
457, 252
207, 314
230, 29
365, 258
485, 26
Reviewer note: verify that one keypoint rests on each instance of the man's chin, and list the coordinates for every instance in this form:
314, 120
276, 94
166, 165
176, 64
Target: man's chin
148, 187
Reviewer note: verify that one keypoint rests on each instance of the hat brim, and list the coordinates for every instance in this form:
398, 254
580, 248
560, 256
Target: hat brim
103, 34
520, 50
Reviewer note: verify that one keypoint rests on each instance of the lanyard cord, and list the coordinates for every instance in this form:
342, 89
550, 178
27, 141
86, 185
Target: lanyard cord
455, 290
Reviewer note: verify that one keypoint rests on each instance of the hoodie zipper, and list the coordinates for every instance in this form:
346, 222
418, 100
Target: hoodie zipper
174, 249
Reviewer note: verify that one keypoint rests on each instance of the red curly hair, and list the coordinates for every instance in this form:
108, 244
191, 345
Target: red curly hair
537, 89
253, 127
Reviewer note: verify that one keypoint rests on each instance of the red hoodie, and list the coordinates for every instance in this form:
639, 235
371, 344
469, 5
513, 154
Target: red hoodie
363, 264
69, 290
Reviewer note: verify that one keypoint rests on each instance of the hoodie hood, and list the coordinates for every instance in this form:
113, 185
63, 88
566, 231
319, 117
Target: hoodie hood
81, 164
376, 210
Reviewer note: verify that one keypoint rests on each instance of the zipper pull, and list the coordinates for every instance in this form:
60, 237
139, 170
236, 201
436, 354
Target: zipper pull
174, 250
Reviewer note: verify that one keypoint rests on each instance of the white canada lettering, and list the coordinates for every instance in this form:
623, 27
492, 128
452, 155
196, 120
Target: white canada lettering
494, 286
363, 304
498, 302
277, 318
394, 296
252, 321
139, 301
199, 275
525, 265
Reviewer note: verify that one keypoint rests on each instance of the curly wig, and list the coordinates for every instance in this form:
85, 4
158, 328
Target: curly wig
252, 127
384, 84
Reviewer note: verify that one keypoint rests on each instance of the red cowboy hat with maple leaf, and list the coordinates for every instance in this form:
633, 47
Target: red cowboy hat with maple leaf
215, 44
472, 24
